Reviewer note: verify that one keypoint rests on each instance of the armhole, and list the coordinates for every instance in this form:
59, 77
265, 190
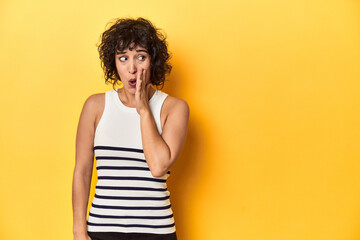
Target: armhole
103, 114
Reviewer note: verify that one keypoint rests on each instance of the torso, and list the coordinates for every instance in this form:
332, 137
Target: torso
167, 105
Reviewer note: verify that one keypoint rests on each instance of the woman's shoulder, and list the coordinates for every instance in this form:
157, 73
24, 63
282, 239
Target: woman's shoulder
95, 103
172, 104
96, 99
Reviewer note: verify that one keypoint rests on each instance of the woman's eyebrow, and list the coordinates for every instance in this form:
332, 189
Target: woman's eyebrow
140, 50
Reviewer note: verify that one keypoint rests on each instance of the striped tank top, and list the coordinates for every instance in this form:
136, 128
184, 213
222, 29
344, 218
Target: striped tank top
127, 197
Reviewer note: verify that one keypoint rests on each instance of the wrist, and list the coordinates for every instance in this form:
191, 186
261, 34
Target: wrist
79, 232
146, 112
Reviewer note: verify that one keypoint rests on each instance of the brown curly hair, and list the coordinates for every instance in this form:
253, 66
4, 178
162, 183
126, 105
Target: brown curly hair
136, 32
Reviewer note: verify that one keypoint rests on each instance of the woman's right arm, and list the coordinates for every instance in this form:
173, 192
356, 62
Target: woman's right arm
84, 158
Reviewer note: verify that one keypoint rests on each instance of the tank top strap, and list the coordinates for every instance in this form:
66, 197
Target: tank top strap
108, 108
156, 105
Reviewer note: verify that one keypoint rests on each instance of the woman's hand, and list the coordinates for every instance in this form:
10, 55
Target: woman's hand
141, 94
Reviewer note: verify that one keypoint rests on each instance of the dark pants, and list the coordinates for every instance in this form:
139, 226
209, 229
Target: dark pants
131, 236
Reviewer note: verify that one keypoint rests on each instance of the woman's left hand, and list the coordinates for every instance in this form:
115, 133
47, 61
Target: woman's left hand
141, 94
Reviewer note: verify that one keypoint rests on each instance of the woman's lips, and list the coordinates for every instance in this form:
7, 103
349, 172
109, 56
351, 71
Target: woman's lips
132, 82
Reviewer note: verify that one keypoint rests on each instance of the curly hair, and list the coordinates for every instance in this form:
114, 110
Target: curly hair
136, 32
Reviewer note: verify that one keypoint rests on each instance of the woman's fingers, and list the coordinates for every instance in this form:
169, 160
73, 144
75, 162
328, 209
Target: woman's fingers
141, 91
143, 77
147, 85
139, 81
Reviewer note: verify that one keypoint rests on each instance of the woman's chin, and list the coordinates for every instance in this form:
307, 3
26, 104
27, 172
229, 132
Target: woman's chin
131, 90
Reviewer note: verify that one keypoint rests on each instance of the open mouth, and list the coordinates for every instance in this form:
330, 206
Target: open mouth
132, 82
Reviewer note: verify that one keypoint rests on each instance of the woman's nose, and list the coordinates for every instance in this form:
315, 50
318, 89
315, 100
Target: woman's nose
132, 67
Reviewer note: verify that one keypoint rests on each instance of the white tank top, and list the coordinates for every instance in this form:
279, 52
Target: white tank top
127, 197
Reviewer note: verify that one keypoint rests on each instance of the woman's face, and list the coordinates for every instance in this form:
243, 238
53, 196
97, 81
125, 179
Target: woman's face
130, 63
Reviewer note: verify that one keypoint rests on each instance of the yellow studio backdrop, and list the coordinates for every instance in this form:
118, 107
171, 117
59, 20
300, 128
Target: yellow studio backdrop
273, 87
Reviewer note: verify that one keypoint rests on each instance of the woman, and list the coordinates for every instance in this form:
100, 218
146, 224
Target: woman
136, 133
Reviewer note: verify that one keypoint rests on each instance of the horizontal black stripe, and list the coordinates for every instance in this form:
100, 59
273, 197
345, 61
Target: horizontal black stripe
130, 198
132, 188
120, 158
118, 149
130, 208
130, 178
130, 217
129, 225
124, 168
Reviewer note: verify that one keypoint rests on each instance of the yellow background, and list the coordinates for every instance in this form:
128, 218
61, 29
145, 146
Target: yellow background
274, 94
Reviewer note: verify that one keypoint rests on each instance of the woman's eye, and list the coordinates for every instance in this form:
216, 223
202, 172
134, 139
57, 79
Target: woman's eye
143, 57
122, 59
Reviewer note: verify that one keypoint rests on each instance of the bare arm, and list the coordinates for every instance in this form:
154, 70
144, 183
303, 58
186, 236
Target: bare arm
83, 167
161, 151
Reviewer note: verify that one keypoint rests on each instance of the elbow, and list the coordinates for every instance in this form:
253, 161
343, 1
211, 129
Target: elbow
161, 166
158, 172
